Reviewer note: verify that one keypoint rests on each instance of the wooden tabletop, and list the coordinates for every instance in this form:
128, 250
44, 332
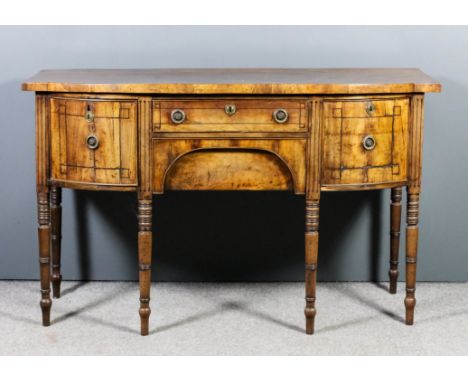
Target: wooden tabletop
234, 81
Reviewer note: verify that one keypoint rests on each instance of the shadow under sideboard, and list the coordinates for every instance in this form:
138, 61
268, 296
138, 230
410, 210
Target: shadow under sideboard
229, 236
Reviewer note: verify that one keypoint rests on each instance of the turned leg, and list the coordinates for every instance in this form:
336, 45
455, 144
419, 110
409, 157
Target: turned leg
411, 254
56, 231
311, 253
144, 259
395, 223
44, 254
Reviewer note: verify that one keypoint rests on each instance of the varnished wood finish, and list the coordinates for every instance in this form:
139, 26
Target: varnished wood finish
347, 123
395, 224
234, 81
56, 232
229, 139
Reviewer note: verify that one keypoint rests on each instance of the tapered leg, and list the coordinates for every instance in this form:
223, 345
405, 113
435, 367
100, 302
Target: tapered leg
411, 254
144, 259
44, 254
56, 231
311, 254
395, 223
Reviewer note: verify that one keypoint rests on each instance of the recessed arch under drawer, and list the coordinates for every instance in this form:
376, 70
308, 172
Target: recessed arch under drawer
226, 164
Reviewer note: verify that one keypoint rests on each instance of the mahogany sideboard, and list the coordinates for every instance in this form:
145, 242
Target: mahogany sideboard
303, 130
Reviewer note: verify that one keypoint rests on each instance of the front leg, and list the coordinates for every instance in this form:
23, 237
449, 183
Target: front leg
311, 254
44, 253
144, 260
412, 232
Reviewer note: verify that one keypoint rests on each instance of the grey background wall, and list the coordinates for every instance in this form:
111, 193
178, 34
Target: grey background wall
236, 236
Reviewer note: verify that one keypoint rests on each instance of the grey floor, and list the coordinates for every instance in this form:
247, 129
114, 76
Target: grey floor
100, 318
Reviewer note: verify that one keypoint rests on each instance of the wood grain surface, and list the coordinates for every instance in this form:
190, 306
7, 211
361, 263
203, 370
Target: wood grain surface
234, 81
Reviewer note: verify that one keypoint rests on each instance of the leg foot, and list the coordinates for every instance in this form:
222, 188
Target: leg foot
395, 223
311, 254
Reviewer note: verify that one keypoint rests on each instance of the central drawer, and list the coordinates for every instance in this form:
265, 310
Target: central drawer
230, 115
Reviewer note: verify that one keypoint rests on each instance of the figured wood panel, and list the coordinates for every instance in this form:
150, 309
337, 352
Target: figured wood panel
114, 124
240, 166
210, 115
229, 170
345, 125
234, 81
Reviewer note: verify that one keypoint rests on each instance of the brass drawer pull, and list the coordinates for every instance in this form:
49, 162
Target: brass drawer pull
177, 116
92, 142
368, 142
280, 115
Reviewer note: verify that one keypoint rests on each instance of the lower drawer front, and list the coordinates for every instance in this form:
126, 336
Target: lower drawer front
94, 141
365, 141
231, 115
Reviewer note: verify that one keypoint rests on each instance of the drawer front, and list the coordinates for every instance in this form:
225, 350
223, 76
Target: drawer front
94, 141
230, 115
365, 141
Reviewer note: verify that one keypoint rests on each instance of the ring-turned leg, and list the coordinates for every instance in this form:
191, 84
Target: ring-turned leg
311, 254
44, 254
411, 254
144, 260
56, 231
395, 224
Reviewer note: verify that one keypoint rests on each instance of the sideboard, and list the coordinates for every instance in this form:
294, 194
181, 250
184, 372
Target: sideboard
302, 130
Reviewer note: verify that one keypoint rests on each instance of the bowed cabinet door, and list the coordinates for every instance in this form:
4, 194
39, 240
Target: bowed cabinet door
365, 141
94, 141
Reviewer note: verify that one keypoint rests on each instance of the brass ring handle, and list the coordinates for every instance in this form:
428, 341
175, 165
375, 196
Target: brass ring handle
92, 142
280, 115
368, 142
177, 116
